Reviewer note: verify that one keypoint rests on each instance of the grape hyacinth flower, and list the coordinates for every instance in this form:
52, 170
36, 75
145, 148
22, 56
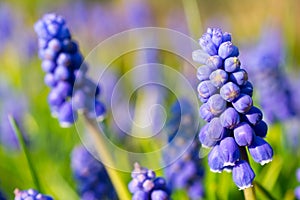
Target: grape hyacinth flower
71, 89
146, 186
264, 64
187, 171
12, 103
91, 177
233, 123
30, 194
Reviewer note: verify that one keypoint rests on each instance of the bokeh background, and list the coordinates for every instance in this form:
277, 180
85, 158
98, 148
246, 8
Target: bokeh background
23, 93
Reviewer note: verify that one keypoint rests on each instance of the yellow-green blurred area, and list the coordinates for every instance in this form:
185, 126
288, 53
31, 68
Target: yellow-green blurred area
90, 23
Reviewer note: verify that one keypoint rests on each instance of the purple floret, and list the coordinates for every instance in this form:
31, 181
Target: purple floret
63, 63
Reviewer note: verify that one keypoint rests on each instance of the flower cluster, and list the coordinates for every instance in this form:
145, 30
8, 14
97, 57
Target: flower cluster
71, 89
297, 190
14, 104
273, 88
233, 123
146, 186
187, 171
30, 194
91, 177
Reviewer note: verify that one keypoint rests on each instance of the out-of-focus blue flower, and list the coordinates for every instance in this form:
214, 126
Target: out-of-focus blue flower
233, 121
146, 186
30, 194
187, 171
12, 103
6, 24
91, 177
63, 63
138, 14
264, 64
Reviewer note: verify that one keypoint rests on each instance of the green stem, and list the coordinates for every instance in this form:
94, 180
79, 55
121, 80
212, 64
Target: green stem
23, 147
193, 18
249, 193
105, 156
264, 191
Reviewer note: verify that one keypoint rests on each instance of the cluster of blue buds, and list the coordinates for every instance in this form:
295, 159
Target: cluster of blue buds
297, 190
91, 177
146, 186
187, 171
71, 89
30, 194
232, 120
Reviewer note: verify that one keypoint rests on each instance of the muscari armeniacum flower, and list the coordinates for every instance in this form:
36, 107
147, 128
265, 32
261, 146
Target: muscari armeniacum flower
12, 103
90, 175
232, 120
145, 185
264, 64
187, 171
66, 72
30, 194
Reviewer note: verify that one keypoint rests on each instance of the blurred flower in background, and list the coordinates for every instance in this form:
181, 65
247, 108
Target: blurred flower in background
276, 91
187, 171
272, 61
91, 177
12, 103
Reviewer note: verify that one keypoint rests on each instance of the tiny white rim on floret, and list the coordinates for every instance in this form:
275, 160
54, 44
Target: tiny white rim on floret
263, 162
206, 147
216, 171
226, 164
246, 186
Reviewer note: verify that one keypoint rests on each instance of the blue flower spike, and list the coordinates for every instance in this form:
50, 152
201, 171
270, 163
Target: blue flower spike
66, 73
233, 123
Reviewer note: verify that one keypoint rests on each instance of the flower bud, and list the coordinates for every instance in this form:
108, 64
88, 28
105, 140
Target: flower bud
229, 151
239, 77
216, 104
243, 174
230, 91
243, 134
261, 151
243, 103
230, 118
218, 78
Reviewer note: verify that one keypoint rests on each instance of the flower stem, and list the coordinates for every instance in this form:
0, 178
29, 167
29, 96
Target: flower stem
24, 148
105, 156
193, 18
249, 193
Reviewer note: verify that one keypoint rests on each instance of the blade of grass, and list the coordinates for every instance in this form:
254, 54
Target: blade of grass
264, 191
193, 18
25, 150
105, 156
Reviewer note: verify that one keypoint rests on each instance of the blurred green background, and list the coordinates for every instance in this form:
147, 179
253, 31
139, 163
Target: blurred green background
93, 21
